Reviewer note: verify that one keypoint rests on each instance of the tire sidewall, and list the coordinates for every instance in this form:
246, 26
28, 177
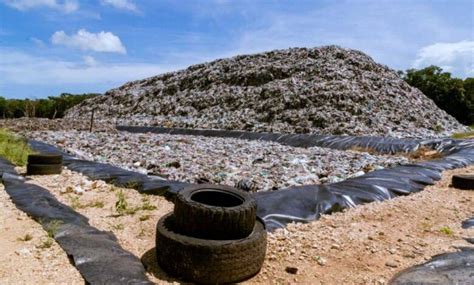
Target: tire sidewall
214, 222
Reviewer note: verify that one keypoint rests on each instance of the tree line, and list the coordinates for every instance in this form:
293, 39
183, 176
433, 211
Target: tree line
52, 107
453, 95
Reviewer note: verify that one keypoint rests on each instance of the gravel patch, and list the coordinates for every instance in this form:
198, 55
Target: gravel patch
256, 164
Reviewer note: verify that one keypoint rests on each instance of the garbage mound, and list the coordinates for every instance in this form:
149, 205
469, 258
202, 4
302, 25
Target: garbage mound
325, 90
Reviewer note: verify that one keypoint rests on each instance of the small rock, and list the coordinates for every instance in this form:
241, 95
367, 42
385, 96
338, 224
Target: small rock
320, 260
174, 164
202, 180
246, 185
78, 190
391, 263
23, 252
291, 270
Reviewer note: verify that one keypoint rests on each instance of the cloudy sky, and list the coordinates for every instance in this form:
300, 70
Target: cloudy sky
52, 46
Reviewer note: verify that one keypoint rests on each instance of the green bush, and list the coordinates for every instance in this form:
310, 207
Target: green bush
454, 95
14, 148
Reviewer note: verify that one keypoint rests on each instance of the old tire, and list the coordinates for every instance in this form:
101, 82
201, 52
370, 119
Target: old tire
45, 158
463, 181
214, 212
209, 261
43, 169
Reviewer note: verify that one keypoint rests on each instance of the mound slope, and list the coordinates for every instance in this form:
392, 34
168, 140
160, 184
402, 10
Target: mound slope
326, 90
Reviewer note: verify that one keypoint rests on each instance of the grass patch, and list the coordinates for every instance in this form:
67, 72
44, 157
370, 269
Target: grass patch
47, 243
14, 148
466, 135
53, 227
122, 207
144, 218
26, 237
147, 206
76, 204
118, 227
446, 230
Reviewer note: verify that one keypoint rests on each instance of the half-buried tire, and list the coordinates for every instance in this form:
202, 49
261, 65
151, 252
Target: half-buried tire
45, 158
215, 212
463, 181
43, 169
209, 261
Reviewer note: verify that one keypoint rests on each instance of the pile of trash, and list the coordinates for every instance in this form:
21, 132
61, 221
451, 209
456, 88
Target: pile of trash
23, 125
250, 165
325, 90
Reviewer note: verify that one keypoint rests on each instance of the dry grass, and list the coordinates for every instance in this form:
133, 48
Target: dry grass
466, 135
422, 153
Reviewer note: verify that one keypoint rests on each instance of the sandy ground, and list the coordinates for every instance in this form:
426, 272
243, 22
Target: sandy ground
26, 260
365, 245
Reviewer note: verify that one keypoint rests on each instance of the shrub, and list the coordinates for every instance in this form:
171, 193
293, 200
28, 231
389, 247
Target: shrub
14, 148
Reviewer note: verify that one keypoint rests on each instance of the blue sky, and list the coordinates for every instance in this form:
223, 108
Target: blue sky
52, 46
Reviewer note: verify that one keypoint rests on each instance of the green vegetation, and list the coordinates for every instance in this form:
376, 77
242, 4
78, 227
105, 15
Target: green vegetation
453, 95
14, 148
26, 237
147, 206
469, 134
53, 227
118, 227
76, 204
53, 107
47, 243
122, 207
144, 218
446, 230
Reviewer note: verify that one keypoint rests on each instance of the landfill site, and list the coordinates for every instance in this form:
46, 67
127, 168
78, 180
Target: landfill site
303, 165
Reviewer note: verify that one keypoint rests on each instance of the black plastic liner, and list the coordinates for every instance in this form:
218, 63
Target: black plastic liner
304, 203
382, 145
448, 268
114, 175
468, 223
378, 144
96, 254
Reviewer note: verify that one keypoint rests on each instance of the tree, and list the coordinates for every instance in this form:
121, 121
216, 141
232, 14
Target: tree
448, 93
53, 107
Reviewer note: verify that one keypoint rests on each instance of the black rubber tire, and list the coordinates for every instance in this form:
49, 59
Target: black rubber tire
43, 169
215, 212
209, 261
45, 158
463, 181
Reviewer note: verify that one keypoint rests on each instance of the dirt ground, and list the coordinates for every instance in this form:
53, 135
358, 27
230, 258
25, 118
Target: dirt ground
364, 245
25, 255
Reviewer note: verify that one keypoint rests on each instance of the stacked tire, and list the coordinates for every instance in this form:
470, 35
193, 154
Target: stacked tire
44, 164
213, 236
463, 181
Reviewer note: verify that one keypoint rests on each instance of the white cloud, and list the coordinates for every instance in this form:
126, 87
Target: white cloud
84, 40
121, 4
21, 69
89, 60
66, 6
457, 58
39, 43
